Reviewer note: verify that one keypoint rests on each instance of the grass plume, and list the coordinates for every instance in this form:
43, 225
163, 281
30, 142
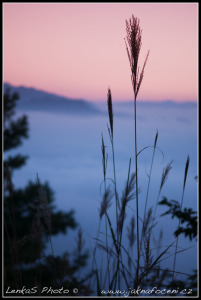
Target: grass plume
164, 178
110, 111
130, 232
165, 173
128, 195
110, 130
133, 46
104, 158
147, 194
106, 202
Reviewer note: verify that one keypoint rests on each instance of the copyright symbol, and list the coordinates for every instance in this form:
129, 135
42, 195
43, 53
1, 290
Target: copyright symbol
75, 291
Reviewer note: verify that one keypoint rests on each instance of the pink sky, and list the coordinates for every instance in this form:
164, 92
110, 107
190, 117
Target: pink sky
77, 49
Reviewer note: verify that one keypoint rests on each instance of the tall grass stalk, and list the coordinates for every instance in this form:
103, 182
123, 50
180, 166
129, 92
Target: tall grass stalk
133, 46
127, 196
182, 199
164, 177
104, 162
131, 239
105, 204
110, 130
148, 186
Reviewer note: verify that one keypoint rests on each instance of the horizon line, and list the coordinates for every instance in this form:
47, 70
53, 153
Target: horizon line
101, 100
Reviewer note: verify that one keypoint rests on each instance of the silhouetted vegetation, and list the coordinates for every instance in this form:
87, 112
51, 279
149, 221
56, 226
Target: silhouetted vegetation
135, 264
30, 219
15, 130
127, 268
187, 217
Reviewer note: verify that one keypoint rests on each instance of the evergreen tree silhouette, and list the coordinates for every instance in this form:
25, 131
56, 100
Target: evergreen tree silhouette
26, 212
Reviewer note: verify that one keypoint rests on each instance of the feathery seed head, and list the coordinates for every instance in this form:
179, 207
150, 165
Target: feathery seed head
106, 203
131, 234
128, 195
156, 138
165, 173
104, 158
133, 46
147, 221
148, 256
110, 110
186, 171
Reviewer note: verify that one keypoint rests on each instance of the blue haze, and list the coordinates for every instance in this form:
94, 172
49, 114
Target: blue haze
65, 150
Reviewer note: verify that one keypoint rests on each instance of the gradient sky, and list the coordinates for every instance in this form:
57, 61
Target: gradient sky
78, 50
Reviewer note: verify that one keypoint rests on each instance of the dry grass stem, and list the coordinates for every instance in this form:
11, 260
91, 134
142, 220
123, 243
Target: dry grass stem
110, 111
127, 196
146, 222
133, 46
130, 232
148, 256
104, 158
165, 173
186, 171
106, 203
